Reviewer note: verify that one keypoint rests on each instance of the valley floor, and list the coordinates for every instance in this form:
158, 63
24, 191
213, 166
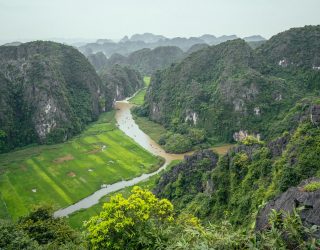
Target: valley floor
65, 173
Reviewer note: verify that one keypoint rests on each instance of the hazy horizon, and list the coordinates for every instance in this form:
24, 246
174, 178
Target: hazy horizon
100, 19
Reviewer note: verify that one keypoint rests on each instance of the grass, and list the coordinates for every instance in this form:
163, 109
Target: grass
77, 219
312, 186
154, 130
138, 99
64, 173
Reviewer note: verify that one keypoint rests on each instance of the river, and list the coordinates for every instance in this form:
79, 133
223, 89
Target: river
127, 124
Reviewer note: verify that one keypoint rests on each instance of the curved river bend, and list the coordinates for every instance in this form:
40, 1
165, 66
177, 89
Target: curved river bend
130, 128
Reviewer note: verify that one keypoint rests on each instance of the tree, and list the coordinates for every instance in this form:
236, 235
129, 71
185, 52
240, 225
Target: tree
41, 226
3, 138
12, 237
133, 223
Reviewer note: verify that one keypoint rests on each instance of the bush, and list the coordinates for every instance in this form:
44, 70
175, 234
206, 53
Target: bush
13, 238
196, 135
286, 231
177, 143
312, 186
251, 140
41, 226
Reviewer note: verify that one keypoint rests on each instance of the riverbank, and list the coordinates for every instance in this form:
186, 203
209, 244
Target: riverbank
127, 125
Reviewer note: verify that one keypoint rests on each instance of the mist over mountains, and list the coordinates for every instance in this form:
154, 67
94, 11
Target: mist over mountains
148, 40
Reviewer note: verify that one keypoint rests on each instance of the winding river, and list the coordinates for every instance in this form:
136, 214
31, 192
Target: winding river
127, 124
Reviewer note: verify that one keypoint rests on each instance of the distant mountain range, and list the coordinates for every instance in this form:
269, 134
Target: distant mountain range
146, 61
148, 40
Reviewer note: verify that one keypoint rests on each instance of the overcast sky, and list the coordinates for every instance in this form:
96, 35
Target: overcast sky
44, 19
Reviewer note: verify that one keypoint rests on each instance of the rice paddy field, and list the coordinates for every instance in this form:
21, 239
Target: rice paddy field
64, 173
138, 99
77, 219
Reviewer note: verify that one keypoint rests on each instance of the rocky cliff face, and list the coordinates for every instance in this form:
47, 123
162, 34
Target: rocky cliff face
186, 177
50, 91
294, 198
120, 82
315, 114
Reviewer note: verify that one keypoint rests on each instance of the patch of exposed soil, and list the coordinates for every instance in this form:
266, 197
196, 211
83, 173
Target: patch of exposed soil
71, 174
94, 151
68, 157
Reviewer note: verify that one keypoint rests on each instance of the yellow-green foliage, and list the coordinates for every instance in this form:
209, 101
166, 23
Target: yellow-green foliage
76, 219
312, 186
251, 140
121, 220
138, 99
240, 160
146, 80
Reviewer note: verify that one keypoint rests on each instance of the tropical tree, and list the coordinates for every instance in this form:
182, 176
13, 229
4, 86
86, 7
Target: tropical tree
41, 226
137, 222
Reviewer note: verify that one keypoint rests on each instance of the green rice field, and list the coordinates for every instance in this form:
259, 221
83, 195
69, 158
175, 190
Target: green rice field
77, 219
138, 99
64, 173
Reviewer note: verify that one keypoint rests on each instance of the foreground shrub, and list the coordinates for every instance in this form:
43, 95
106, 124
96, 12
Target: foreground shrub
133, 223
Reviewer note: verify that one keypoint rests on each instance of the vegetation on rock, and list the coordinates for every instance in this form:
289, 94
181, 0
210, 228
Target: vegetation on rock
147, 61
230, 87
120, 82
49, 92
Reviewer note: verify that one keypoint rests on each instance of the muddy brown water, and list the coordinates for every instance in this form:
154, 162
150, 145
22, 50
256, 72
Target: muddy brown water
127, 124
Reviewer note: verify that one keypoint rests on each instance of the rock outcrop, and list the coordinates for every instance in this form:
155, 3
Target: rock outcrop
278, 145
189, 172
315, 114
293, 198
